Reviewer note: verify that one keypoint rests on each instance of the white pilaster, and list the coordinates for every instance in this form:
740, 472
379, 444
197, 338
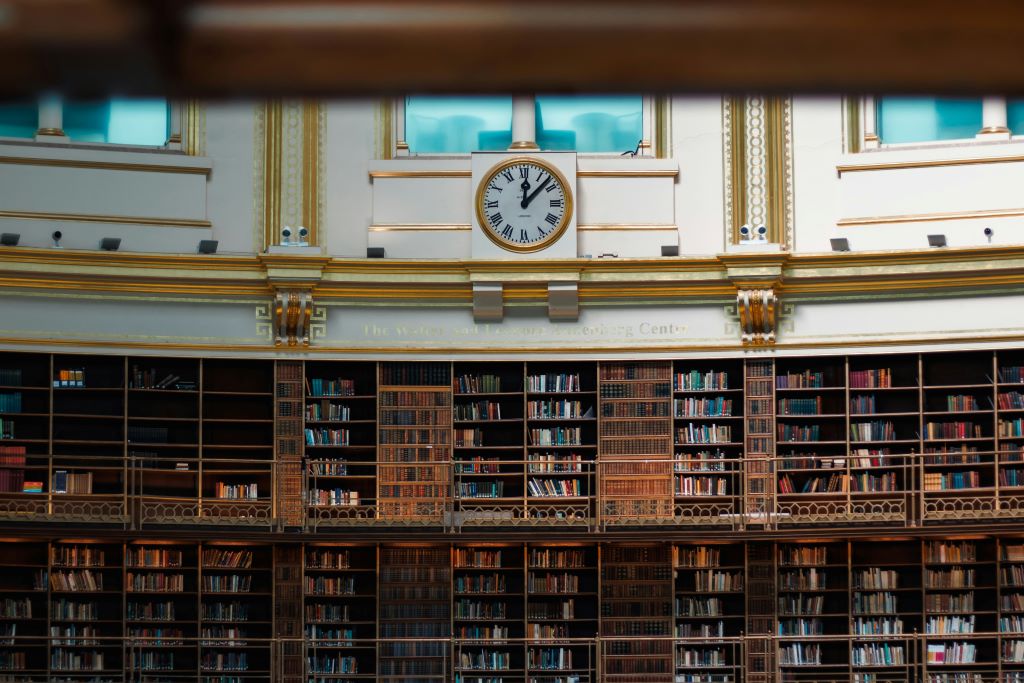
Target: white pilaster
869, 115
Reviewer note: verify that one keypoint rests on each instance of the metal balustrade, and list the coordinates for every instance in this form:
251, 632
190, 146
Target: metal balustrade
997, 657
923, 490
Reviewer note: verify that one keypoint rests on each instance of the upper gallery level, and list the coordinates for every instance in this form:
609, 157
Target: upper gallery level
650, 173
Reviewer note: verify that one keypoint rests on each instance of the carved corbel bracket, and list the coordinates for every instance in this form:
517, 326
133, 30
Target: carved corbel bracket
293, 309
758, 311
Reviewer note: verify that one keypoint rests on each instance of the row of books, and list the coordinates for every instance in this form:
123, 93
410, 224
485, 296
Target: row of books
702, 407
317, 387
695, 380
880, 378
478, 410
10, 403
555, 487
477, 384
553, 409
555, 382
325, 410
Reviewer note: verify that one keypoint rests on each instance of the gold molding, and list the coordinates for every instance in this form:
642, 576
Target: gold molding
97, 218
737, 154
993, 130
612, 227
273, 141
928, 217
105, 165
854, 126
777, 172
926, 163
419, 227
269, 350
527, 145
312, 161
420, 174
386, 145
638, 173
194, 128
51, 133
662, 127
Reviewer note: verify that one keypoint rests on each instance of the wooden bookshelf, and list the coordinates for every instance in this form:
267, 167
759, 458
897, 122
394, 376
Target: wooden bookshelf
561, 442
635, 447
1009, 429
488, 613
707, 406
1010, 557
24, 588
161, 615
561, 612
339, 608
811, 436
86, 607
340, 437
709, 607
88, 433
163, 434
960, 600
237, 446
236, 612
25, 412
885, 595
489, 431
415, 442
636, 613
414, 613
812, 593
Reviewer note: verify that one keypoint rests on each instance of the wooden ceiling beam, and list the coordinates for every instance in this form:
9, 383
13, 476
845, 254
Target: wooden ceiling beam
370, 47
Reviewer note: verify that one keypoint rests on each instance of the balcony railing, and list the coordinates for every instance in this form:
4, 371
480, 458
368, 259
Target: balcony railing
891, 491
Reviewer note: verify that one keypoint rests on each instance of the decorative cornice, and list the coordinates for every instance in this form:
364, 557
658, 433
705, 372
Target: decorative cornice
638, 281
193, 167
95, 218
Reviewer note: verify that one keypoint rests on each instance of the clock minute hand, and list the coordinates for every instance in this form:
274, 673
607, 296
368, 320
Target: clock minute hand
526, 200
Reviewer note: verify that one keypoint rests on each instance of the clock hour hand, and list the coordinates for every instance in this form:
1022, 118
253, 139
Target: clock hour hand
527, 199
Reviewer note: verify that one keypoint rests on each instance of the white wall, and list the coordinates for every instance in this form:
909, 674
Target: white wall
230, 131
895, 196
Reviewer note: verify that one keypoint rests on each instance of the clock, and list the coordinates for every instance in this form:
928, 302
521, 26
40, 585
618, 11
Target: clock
524, 204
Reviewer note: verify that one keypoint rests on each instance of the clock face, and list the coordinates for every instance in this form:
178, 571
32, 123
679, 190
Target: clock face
523, 204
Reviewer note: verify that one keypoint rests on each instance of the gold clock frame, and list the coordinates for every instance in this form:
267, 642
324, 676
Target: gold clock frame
555, 234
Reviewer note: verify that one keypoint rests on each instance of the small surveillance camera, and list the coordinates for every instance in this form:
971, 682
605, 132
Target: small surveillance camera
988, 232
745, 231
303, 233
286, 233
762, 231
57, 234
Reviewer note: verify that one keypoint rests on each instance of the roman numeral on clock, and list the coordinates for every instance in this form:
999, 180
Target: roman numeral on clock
555, 203
524, 172
507, 232
552, 219
523, 236
493, 204
495, 219
507, 174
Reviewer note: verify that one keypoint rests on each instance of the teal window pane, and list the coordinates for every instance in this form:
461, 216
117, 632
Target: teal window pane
1015, 116
19, 120
923, 119
590, 124
118, 121
458, 125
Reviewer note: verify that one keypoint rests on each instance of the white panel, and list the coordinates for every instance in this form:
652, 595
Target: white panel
422, 243
818, 141
130, 321
637, 200
697, 140
229, 141
402, 201
348, 151
105, 192
87, 235
849, 322
626, 243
